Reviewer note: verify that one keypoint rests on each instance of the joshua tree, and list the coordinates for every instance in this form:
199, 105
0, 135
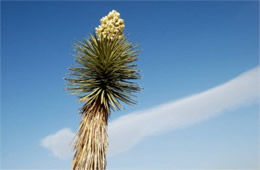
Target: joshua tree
104, 78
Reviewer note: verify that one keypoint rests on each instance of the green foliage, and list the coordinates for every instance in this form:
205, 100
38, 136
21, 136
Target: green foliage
105, 72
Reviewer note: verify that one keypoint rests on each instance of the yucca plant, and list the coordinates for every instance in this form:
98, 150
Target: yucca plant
103, 78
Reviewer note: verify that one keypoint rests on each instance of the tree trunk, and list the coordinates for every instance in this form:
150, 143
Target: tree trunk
91, 140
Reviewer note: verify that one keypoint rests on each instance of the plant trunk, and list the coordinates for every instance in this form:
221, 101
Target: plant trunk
91, 140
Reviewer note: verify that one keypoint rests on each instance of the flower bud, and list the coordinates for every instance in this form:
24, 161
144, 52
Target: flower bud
111, 26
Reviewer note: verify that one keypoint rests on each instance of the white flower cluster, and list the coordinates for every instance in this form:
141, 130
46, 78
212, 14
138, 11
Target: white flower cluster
111, 27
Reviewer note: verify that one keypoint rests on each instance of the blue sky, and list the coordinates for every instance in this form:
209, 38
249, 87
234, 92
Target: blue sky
187, 48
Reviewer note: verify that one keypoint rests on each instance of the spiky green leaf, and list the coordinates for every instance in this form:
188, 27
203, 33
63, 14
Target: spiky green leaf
106, 71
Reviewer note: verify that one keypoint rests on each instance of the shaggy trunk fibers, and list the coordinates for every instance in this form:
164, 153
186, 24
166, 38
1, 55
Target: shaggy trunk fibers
91, 141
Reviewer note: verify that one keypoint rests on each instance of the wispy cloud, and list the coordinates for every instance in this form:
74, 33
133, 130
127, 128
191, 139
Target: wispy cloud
128, 130
59, 143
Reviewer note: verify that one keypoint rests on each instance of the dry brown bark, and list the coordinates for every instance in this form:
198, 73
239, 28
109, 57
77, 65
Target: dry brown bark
91, 139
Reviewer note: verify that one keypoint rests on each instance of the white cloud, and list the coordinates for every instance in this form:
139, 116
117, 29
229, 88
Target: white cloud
59, 143
127, 131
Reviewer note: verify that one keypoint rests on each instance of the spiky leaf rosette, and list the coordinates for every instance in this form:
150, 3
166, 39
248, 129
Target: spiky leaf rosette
105, 73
